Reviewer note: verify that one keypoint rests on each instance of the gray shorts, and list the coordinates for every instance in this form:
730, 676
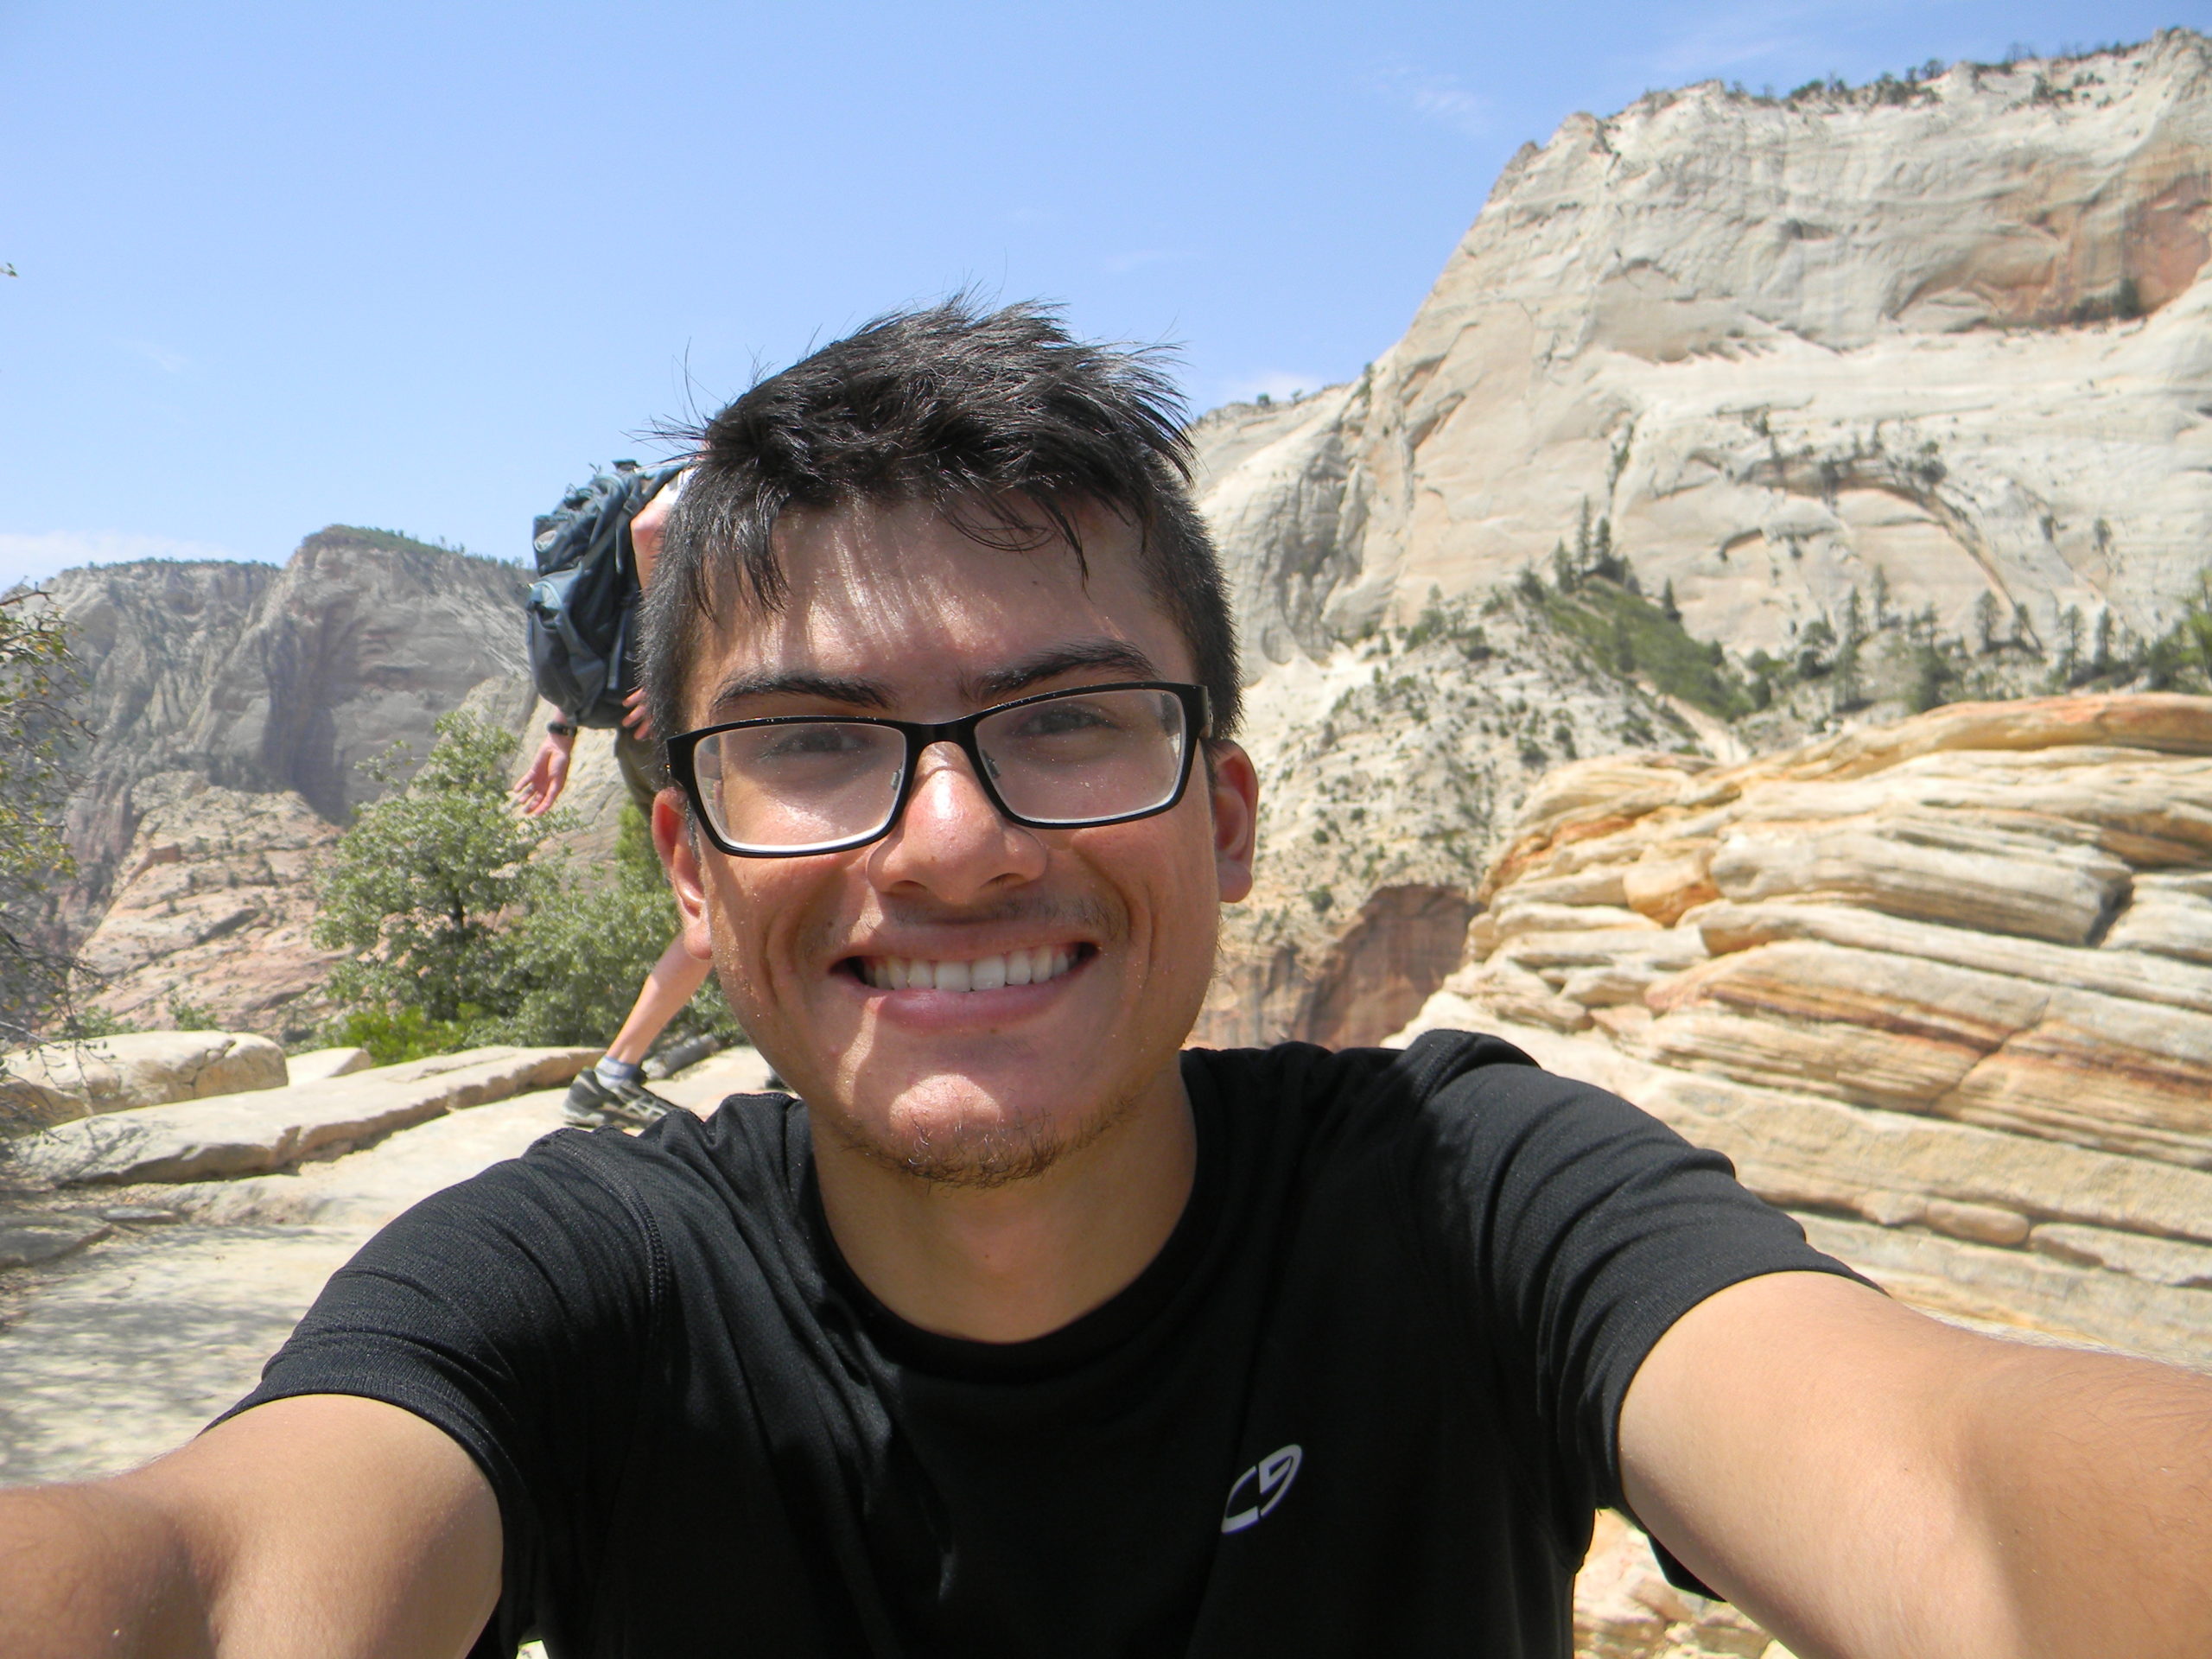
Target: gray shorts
643, 775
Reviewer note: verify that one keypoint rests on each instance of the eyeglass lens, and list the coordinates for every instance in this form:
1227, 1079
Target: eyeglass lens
1077, 758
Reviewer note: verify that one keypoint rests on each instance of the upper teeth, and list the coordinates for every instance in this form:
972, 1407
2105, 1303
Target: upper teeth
983, 973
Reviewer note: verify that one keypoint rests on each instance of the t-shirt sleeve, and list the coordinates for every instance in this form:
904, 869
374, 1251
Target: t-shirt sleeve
511, 1312
1573, 1229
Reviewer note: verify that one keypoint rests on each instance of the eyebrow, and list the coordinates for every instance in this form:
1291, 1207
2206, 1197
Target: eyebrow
996, 685
1000, 684
800, 683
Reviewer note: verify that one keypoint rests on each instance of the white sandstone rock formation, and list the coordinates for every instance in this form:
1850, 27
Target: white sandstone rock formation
65, 1080
1898, 975
232, 705
1952, 331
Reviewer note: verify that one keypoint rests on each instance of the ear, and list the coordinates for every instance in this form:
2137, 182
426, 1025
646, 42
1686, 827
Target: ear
677, 843
1234, 784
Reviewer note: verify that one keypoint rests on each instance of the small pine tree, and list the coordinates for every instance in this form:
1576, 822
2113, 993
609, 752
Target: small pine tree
1854, 619
419, 891
1667, 604
1881, 598
2070, 646
1984, 622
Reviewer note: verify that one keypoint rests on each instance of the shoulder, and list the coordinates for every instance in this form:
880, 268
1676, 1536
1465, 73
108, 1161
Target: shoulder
579, 1185
1445, 1076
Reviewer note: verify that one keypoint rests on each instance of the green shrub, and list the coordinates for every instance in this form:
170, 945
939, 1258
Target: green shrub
425, 890
462, 927
391, 1035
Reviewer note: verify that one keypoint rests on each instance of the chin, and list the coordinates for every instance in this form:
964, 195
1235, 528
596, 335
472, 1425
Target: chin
955, 1132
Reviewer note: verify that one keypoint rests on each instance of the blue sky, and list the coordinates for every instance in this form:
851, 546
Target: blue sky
420, 266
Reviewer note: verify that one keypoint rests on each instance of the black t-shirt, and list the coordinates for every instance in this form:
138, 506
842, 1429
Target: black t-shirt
1364, 1402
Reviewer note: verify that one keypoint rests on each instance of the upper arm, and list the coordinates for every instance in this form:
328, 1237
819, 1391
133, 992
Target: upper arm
1803, 1445
328, 1527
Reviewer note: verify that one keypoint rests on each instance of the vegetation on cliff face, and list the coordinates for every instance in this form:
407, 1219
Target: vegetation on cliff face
40, 733
462, 926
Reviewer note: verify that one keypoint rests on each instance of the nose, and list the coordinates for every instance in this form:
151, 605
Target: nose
951, 840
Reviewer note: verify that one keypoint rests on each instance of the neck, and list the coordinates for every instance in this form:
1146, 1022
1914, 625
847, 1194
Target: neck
1007, 1263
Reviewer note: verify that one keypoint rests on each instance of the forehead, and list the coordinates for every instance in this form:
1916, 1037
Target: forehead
902, 597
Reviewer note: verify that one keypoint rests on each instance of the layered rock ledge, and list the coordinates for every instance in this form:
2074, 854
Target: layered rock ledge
1938, 987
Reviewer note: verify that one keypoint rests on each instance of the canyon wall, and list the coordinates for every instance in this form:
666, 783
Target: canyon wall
233, 705
1931, 340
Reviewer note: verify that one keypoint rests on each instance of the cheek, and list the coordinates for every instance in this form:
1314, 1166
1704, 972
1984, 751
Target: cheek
771, 921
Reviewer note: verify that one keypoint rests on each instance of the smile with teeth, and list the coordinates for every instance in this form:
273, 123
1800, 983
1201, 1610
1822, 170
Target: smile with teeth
1046, 962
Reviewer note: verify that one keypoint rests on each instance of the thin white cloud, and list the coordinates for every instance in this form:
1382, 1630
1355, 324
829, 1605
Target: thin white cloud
164, 357
1732, 35
32, 556
1440, 99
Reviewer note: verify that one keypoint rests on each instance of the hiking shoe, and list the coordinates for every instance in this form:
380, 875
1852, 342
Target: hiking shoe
595, 1103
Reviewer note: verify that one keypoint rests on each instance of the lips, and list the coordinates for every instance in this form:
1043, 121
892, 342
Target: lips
1045, 963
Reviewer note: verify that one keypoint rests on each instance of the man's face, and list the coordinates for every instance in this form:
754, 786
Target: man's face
895, 611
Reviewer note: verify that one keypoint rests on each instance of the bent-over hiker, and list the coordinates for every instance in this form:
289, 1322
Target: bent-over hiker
614, 1091
1023, 1330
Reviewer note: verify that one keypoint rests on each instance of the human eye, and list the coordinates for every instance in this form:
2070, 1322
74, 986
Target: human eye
796, 742
1067, 717
802, 750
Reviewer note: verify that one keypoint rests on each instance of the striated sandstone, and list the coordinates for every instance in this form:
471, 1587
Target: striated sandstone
1726, 927
212, 906
2012, 1122
1987, 879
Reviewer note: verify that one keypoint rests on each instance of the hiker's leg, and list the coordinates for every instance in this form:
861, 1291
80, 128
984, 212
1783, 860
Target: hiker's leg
675, 979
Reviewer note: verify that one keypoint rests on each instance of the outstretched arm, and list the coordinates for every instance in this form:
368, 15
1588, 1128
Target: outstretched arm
1870, 1482
324, 1527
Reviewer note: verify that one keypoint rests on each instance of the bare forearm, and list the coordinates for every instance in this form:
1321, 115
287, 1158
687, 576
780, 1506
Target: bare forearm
95, 1570
2095, 1480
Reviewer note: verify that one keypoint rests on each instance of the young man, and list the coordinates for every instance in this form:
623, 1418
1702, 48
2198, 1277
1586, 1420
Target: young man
1029, 1332
613, 1093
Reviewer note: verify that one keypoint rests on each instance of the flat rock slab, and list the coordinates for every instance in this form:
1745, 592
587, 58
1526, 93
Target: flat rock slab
255, 1134
56, 1082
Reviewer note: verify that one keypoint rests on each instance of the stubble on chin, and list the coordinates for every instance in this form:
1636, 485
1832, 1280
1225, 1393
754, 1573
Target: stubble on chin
977, 1148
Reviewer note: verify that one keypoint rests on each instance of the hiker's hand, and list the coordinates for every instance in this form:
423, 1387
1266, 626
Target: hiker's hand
635, 717
537, 789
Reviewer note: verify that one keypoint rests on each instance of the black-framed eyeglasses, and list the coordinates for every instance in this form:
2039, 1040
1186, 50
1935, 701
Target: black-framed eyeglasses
792, 785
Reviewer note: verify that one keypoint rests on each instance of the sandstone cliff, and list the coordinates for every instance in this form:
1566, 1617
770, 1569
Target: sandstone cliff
1942, 344
1951, 330
232, 704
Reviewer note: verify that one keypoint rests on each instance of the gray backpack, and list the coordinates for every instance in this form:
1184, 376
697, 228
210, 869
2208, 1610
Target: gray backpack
582, 608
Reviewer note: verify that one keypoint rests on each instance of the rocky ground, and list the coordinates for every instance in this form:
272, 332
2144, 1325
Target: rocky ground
139, 1296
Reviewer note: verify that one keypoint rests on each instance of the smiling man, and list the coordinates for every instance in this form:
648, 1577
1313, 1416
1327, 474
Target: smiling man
1022, 1330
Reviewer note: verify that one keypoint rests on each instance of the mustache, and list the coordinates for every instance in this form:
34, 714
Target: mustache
1077, 913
